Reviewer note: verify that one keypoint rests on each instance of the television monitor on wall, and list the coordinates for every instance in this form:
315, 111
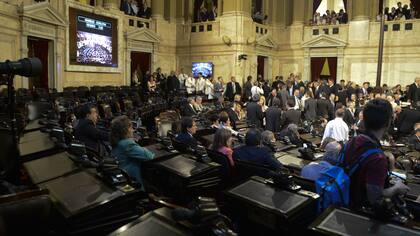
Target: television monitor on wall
206, 68
93, 39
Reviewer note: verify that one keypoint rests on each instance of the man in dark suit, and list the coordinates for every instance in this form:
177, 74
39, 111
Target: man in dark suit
87, 132
233, 88
172, 84
253, 152
234, 114
407, 119
247, 88
414, 140
332, 87
188, 129
254, 114
283, 95
273, 116
189, 109
324, 107
291, 116
413, 94
310, 106
349, 117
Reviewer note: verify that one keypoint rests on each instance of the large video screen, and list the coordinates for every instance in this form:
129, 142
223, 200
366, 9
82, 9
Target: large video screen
93, 39
206, 68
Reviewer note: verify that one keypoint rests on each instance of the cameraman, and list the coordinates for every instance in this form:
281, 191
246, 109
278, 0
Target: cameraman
368, 184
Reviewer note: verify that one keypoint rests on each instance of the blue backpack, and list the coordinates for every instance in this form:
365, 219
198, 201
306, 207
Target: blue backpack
333, 186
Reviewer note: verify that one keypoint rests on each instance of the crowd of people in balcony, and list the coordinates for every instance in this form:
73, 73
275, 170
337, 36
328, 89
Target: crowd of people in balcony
329, 18
258, 16
133, 8
400, 12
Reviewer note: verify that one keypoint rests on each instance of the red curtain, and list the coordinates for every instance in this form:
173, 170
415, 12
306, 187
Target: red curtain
332, 63
316, 67
316, 5
416, 5
260, 66
41, 51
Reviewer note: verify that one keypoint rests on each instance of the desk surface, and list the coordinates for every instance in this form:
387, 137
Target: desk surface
78, 192
34, 142
33, 125
184, 166
308, 137
342, 222
49, 167
160, 151
267, 196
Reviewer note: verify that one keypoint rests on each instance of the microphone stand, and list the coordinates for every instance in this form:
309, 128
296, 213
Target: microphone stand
11, 98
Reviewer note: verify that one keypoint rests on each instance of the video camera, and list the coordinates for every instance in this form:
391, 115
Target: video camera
205, 217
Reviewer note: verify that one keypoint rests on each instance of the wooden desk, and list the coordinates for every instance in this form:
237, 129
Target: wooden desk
34, 144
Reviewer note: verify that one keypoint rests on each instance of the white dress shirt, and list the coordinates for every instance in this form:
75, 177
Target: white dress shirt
256, 90
190, 85
337, 129
199, 85
209, 89
182, 80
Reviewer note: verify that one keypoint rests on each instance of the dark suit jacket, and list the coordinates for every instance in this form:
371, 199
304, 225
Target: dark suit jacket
407, 119
229, 90
172, 84
189, 110
258, 155
254, 114
414, 141
233, 117
283, 95
247, 91
310, 109
323, 108
291, 117
413, 93
349, 118
187, 139
273, 119
91, 136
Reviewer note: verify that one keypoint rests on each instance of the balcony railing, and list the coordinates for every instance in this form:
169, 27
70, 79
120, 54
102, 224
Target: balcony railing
137, 22
340, 31
261, 29
207, 26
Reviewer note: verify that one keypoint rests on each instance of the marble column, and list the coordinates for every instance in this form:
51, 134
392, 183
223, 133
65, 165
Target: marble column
279, 12
374, 9
158, 8
111, 4
243, 6
299, 7
361, 9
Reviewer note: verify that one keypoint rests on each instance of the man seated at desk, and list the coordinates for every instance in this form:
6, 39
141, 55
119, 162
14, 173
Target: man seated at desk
414, 140
188, 129
128, 153
313, 170
87, 132
224, 123
255, 153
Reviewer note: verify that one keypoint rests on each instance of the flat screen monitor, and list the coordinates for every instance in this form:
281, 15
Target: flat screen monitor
93, 39
206, 68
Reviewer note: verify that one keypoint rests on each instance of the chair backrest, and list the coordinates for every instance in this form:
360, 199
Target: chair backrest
245, 170
33, 213
223, 160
